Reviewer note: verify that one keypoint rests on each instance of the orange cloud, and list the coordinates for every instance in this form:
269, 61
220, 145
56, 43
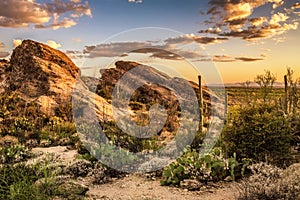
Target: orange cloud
56, 14
17, 42
234, 19
53, 44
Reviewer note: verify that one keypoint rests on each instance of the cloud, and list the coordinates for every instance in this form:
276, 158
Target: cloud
2, 45
227, 58
249, 59
258, 21
223, 58
64, 23
135, 1
114, 49
76, 40
190, 38
74, 54
210, 40
17, 42
170, 48
265, 31
53, 44
278, 17
212, 30
234, 18
52, 14
174, 54
296, 6
3, 54
230, 10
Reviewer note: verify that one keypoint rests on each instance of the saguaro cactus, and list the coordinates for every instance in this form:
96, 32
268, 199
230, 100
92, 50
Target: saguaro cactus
200, 103
285, 94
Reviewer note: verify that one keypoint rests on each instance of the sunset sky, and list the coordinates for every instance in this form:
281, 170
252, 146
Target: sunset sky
241, 37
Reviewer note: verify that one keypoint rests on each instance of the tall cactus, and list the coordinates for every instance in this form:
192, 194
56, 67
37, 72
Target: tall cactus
200, 103
285, 94
226, 107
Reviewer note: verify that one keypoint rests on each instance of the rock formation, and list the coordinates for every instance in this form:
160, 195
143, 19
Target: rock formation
41, 74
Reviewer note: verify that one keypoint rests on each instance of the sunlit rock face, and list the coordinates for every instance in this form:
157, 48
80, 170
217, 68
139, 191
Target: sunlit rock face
41, 74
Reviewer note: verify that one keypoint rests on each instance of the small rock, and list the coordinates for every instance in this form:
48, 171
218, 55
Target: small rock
71, 189
32, 143
105, 198
228, 179
71, 147
98, 175
79, 168
45, 143
190, 185
64, 141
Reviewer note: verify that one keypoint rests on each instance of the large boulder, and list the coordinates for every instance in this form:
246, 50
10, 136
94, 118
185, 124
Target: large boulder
46, 76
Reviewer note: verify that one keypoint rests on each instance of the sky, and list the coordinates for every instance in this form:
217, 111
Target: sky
223, 40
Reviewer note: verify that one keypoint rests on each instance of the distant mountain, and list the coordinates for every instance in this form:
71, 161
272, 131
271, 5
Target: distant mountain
241, 84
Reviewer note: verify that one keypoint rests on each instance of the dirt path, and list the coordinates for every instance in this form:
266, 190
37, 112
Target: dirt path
137, 187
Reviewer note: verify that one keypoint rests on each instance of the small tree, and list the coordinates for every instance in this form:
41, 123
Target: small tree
265, 82
291, 92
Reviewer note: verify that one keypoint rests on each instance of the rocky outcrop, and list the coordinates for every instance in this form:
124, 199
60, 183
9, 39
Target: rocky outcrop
151, 91
41, 74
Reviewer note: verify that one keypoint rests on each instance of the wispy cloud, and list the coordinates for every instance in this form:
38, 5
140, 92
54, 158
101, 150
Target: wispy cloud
52, 14
114, 49
223, 58
2, 45
190, 38
249, 59
227, 58
170, 48
3, 54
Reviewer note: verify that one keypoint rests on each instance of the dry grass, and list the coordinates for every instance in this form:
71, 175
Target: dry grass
269, 182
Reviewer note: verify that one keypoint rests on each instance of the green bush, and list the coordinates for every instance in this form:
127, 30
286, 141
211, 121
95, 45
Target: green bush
18, 182
204, 168
13, 154
261, 133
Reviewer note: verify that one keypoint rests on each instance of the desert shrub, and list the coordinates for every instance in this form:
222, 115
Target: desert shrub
18, 182
261, 133
210, 167
294, 120
57, 129
270, 182
12, 154
265, 82
128, 142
